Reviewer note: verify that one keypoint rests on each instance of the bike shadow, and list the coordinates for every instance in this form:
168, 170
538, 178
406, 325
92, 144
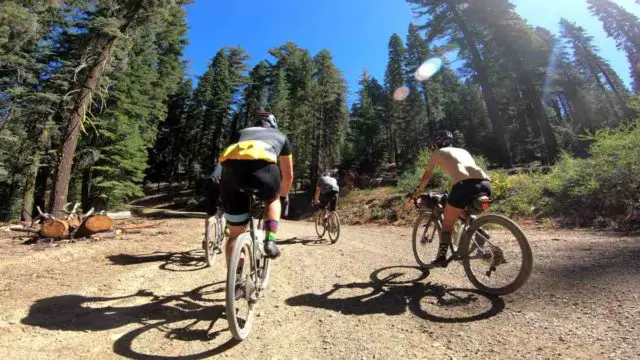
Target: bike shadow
305, 240
394, 290
192, 260
187, 317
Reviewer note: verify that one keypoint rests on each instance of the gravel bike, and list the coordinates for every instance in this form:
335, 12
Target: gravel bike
492, 248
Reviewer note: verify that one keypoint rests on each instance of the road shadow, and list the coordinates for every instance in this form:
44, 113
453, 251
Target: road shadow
396, 289
186, 317
588, 264
192, 260
305, 240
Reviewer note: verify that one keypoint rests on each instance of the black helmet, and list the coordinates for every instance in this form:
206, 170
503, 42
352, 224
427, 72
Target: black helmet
266, 119
442, 138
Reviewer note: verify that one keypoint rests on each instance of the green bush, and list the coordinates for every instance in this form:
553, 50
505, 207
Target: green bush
410, 179
584, 191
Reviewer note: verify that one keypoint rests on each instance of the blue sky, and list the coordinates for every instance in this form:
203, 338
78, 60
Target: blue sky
356, 32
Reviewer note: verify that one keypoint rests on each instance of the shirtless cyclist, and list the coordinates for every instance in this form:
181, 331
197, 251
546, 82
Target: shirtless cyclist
469, 181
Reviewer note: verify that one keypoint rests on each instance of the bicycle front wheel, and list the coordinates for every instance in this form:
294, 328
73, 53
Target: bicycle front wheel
320, 228
241, 288
496, 255
425, 239
334, 227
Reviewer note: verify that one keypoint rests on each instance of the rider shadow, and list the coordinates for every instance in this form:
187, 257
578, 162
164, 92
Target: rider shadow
398, 291
305, 240
192, 260
181, 317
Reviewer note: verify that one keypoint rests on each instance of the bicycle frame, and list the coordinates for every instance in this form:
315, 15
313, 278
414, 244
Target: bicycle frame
252, 234
437, 213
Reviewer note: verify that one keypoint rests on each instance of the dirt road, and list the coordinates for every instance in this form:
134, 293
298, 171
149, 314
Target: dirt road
150, 297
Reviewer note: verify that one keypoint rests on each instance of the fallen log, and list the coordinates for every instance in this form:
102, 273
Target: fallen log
106, 235
94, 224
122, 215
54, 228
98, 223
24, 229
163, 213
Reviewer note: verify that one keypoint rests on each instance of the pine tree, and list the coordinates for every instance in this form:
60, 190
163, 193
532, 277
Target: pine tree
148, 74
278, 99
106, 23
507, 34
366, 127
420, 123
394, 78
624, 27
447, 18
330, 114
596, 71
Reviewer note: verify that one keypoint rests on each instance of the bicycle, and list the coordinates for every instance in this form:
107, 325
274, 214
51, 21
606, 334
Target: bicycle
328, 221
246, 285
477, 242
214, 238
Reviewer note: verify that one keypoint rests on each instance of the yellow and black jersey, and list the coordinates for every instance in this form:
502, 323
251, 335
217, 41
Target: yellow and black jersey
258, 143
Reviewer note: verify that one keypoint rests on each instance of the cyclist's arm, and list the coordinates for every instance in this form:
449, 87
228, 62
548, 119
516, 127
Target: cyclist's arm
212, 200
428, 172
286, 169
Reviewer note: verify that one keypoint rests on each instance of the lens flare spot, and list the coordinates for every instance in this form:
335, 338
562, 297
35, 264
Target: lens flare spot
401, 93
428, 69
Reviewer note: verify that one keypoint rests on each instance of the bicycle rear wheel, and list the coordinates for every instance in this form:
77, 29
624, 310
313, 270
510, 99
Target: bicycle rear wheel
334, 227
496, 255
241, 288
320, 228
425, 239
213, 241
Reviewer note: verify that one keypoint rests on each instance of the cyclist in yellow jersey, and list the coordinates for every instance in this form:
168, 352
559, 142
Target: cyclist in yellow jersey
252, 162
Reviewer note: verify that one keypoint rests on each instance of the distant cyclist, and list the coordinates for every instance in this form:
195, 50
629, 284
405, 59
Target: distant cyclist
469, 181
252, 163
327, 192
213, 194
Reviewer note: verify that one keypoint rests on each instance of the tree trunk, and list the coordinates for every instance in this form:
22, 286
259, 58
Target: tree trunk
556, 108
535, 101
40, 198
87, 176
487, 88
29, 188
621, 101
429, 125
70, 142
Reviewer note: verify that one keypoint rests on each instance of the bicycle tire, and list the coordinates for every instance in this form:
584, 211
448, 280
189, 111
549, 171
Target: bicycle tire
266, 273
334, 235
319, 222
239, 328
211, 242
525, 248
264, 263
429, 219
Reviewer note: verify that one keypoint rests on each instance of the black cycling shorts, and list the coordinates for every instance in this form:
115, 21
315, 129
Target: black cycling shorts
247, 174
330, 198
464, 192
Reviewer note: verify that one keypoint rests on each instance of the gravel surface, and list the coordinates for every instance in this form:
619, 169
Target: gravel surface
149, 296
